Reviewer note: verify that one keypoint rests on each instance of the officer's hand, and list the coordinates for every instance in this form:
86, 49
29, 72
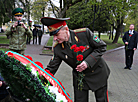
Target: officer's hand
134, 49
23, 25
81, 66
0, 83
126, 43
15, 24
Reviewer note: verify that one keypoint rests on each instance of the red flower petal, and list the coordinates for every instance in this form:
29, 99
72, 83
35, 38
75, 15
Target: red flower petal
79, 57
82, 48
39, 64
76, 49
130, 35
73, 46
29, 57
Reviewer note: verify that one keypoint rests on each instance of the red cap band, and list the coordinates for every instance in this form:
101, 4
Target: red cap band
56, 26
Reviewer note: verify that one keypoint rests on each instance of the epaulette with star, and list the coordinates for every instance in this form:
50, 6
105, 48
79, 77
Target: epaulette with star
80, 30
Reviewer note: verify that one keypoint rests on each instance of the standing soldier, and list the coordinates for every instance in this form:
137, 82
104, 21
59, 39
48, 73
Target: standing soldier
17, 32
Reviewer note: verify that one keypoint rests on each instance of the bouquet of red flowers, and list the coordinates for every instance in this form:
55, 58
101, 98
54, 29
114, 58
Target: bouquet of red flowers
79, 57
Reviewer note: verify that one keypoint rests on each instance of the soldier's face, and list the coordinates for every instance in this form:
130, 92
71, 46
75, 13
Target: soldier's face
61, 36
18, 18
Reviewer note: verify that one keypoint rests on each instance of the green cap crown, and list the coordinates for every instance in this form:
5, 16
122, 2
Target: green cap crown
18, 12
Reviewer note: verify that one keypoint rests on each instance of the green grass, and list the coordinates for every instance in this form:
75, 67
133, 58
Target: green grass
47, 52
4, 49
50, 41
109, 43
2, 33
105, 38
4, 40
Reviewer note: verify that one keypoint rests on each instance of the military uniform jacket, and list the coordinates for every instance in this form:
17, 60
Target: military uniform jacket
97, 73
132, 41
17, 36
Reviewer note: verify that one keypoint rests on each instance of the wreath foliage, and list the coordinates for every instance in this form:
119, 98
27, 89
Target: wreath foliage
21, 82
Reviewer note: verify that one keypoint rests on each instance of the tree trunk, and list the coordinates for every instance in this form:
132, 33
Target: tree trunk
62, 13
112, 34
109, 33
118, 30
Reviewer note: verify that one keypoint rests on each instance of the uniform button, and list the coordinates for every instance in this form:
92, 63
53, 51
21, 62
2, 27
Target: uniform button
92, 71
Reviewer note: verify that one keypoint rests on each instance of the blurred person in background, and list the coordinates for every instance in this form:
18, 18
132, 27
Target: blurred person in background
35, 31
130, 39
40, 33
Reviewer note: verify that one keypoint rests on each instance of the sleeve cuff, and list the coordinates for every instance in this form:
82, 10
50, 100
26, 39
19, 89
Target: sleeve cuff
88, 66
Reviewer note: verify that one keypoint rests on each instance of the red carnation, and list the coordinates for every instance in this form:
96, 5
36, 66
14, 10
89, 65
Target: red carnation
79, 57
130, 35
73, 46
82, 48
76, 49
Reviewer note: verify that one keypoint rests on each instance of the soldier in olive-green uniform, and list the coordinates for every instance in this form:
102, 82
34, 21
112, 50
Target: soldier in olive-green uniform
93, 67
17, 32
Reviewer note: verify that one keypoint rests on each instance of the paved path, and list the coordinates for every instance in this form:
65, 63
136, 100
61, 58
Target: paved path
36, 48
122, 83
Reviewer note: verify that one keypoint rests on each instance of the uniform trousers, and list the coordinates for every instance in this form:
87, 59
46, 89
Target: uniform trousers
34, 39
101, 95
129, 57
39, 38
28, 40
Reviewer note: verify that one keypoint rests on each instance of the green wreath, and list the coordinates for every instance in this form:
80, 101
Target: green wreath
21, 82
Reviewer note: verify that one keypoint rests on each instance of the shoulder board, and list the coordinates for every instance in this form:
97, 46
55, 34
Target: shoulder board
80, 30
55, 44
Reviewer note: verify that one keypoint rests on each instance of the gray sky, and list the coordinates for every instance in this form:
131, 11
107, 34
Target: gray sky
56, 2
